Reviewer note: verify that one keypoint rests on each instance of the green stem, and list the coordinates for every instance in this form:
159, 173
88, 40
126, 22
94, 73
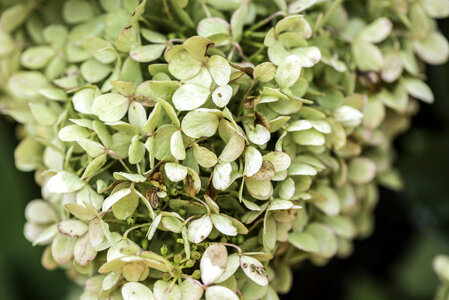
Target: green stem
329, 13
265, 21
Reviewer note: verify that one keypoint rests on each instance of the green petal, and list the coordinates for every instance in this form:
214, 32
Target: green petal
190, 96
147, 53
110, 107
219, 69
200, 123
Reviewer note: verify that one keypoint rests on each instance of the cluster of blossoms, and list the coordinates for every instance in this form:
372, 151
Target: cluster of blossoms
203, 148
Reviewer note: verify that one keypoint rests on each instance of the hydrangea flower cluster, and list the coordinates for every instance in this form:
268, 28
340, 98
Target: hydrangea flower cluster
193, 149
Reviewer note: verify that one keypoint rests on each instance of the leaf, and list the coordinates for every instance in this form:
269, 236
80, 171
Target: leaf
287, 189
261, 190
436, 8
217, 292
222, 95
153, 36
367, 56
153, 119
84, 253
233, 149
342, 226
36, 57
175, 172
433, 49
13, 16
163, 290
222, 176
71, 133
129, 177
115, 197
83, 100
213, 263
303, 241
219, 69
377, 31
280, 160
190, 96
136, 291
329, 203
419, 89
297, 24
309, 137
110, 107
125, 207
253, 161
177, 146
223, 224
181, 64
265, 72
300, 5
136, 150
43, 114
327, 241
254, 269
209, 27
92, 148
77, 11
199, 229
200, 123
64, 182
170, 111
6, 42
238, 21
232, 264
204, 156
72, 228
40, 212
259, 136
191, 290
62, 248
361, 170
102, 50
137, 115
147, 53
441, 267
348, 116
197, 46
80, 212
288, 72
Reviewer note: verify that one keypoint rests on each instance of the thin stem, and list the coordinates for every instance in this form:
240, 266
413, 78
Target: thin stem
266, 20
125, 235
321, 22
115, 155
206, 9
145, 201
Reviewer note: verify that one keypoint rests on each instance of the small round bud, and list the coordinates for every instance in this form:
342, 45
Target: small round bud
166, 276
196, 255
196, 274
144, 244
190, 263
164, 250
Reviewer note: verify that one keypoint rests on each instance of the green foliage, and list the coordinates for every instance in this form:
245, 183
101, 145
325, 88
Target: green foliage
205, 147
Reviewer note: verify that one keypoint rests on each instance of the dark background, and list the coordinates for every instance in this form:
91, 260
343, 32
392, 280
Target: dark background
394, 263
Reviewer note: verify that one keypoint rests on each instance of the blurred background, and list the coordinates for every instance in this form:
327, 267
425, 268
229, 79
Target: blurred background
394, 263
